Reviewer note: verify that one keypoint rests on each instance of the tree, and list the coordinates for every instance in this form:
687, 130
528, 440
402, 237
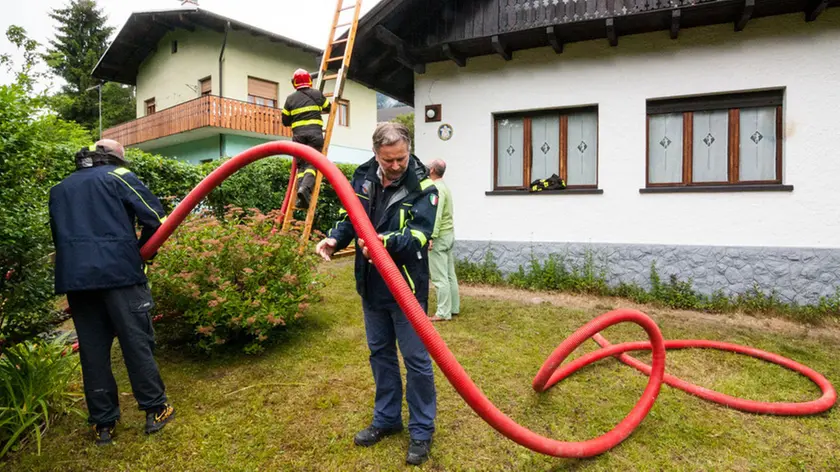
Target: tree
26, 76
407, 120
81, 39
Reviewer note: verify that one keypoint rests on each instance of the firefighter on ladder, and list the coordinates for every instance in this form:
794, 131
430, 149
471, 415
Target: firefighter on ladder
302, 112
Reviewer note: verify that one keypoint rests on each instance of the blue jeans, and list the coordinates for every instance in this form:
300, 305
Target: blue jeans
385, 326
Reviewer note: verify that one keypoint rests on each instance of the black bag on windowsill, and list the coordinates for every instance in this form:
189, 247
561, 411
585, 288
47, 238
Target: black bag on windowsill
552, 183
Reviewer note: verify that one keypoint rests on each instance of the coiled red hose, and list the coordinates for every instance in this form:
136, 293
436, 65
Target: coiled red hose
548, 374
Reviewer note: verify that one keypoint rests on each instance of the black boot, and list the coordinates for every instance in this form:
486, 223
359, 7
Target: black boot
418, 451
104, 433
157, 418
372, 435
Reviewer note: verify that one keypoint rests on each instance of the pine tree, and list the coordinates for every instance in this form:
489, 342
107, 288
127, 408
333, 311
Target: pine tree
81, 39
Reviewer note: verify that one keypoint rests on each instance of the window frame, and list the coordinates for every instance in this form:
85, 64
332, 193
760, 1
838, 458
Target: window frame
252, 97
731, 103
209, 81
150, 103
345, 103
527, 158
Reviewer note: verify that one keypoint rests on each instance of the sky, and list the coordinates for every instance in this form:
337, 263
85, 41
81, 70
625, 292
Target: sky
307, 21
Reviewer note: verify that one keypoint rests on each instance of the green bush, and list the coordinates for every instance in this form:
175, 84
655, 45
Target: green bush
36, 152
168, 179
35, 387
232, 281
262, 185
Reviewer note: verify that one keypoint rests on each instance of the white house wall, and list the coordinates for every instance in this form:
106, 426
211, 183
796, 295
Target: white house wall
772, 52
362, 120
173, 78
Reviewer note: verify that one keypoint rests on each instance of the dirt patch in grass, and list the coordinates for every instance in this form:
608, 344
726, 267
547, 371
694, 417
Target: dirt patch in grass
830, 331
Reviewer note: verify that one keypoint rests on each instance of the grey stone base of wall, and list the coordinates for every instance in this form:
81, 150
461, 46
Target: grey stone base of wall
799, 275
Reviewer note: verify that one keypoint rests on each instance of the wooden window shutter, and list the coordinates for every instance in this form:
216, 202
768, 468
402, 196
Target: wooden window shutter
206, 86
262, 88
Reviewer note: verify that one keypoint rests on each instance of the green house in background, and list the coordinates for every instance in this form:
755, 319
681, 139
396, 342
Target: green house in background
209, 86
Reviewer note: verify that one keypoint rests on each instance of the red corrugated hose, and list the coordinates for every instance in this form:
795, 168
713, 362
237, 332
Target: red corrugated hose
548, 374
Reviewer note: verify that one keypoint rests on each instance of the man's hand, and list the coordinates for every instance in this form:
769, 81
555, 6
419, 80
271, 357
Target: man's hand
326, 248
431, 243
364, 248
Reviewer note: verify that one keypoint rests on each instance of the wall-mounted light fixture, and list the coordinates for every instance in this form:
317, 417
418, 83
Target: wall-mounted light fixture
433, 113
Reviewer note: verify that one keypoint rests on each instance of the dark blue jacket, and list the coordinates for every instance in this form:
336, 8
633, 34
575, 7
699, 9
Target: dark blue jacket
406, 222
92, 217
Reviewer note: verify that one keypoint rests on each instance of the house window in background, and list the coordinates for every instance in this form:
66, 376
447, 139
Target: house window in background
732, 139
205, 86
150, 106
531, 146
343, 113
262, 92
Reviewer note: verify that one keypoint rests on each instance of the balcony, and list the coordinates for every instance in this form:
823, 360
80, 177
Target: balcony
203, 112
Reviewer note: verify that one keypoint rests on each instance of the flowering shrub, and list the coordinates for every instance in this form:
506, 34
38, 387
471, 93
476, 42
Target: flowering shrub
232, 281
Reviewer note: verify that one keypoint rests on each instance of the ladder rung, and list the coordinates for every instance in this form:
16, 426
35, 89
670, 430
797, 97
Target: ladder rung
348, 8
343, 24
331, 77
340, 41
333, 59
329, 94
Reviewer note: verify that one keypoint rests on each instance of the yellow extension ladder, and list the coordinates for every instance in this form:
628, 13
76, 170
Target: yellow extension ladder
328, 62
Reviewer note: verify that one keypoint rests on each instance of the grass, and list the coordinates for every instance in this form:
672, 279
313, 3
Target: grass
298, 405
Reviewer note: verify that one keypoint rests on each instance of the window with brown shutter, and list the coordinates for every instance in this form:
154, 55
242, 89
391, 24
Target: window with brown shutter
262, 92
150, 106
206, 86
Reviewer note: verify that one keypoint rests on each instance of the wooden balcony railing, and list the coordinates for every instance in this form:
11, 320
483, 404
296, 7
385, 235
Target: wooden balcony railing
205, 111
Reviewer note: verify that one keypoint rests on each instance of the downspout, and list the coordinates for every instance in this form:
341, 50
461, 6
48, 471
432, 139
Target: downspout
221, 85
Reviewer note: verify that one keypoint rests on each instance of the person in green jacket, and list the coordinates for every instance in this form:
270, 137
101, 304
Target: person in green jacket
442, 257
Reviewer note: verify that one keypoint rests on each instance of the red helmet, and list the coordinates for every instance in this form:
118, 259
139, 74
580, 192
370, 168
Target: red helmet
301, 78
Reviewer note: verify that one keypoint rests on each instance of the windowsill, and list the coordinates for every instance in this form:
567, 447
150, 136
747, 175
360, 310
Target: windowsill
568, 191
719, 188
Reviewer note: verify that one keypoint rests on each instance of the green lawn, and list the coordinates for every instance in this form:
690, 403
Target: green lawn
298, 406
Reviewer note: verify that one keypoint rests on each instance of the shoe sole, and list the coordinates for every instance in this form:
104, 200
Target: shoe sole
160, 427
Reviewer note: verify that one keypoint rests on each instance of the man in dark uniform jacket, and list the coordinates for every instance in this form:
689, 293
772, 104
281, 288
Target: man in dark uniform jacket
401, 201
302, 111
98, 265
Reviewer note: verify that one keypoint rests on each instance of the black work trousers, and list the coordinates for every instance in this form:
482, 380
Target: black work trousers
305, 170
99, 315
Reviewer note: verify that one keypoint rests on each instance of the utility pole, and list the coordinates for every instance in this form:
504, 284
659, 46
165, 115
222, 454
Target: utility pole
100, 105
